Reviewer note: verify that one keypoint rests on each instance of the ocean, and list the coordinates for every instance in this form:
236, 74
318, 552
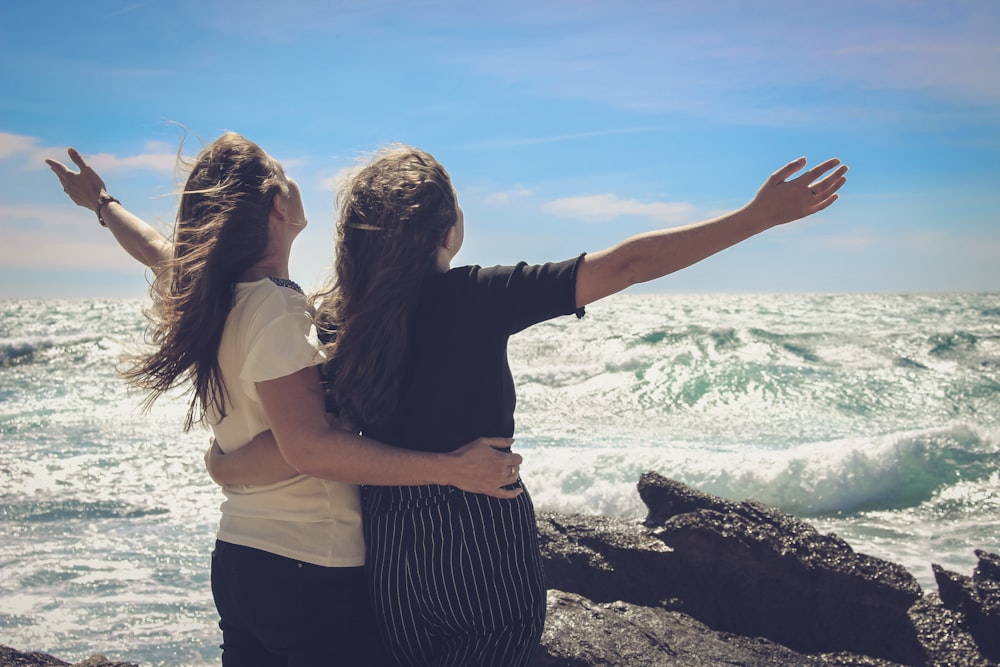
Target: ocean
872, 416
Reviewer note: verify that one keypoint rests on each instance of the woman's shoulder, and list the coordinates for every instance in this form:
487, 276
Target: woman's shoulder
501, 274
266, 295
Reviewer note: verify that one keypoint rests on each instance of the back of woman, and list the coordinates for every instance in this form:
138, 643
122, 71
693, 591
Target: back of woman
456, 577
480, 553
269, 334
419, 359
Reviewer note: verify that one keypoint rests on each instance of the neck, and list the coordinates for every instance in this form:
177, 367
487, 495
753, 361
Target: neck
443, 263
266, 268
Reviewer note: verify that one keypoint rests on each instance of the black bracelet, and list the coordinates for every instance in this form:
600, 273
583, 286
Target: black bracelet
103, 201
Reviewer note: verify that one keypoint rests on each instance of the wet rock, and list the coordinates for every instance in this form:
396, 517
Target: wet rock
583, 633
977, 598
744, 570
10, 657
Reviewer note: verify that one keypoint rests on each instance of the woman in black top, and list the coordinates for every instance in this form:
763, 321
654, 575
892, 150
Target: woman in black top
417, 357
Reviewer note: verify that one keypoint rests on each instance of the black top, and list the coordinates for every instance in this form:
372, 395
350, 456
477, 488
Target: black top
457, 384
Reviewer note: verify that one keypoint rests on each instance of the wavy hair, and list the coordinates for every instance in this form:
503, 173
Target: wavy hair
220, 232
394, 212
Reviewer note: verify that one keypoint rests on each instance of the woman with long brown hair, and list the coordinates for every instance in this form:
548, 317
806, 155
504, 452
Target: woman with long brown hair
417, 356
226, 321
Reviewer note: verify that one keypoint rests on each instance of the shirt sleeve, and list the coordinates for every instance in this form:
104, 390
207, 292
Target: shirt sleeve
523, 295
281, 338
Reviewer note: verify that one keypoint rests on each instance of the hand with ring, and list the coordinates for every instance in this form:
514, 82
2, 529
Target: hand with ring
485, 465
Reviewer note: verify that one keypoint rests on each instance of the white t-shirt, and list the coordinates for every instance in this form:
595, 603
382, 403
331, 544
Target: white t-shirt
268, 335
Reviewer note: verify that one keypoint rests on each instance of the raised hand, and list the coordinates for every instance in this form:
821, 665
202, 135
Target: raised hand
783, 199
84, 187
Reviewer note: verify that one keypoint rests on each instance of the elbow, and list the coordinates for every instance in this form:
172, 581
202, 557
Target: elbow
301, 460
314, 456
320, 452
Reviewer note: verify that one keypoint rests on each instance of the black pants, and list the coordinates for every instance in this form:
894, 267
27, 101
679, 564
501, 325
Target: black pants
456, 577
280, 612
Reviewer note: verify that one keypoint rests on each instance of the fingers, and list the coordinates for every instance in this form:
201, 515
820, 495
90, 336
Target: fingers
825, 191
823, 167
58, 167
77, 159
497, 443
512, 472
506, 493
62, 170
831, 183
808, 177
782, 174
826, 202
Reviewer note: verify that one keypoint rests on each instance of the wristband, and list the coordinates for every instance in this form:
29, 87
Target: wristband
103, 201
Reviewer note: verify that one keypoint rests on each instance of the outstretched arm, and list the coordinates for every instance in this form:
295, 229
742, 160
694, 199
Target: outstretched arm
86, 188
653, 255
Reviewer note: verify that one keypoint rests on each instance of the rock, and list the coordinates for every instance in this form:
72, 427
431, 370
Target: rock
605, 559
738, 567
945, 636
977, 598
582, 633
754, 570
10, 657
750, 571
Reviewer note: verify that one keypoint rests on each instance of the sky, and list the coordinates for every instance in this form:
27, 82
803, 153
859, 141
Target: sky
566, 126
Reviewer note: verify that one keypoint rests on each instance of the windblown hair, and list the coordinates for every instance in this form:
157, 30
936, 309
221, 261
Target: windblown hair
394, 212
220, 232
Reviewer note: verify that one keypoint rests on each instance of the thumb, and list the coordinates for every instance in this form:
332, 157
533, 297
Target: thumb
500, 443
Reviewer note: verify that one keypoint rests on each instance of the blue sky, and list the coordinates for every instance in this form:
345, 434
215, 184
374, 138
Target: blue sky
566, 126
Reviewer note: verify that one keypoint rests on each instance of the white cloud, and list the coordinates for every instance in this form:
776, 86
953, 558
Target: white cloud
335, 182
13, 144
33, 251
157, 156
604, 207
855, 240
504, 198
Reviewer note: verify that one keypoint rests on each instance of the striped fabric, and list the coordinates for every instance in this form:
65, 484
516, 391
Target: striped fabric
455, 577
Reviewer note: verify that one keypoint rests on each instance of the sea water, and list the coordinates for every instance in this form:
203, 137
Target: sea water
872, 416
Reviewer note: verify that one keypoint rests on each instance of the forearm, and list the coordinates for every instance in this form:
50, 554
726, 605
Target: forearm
342, 456
652, 255
257, 463
86, 188
294, 407
136, 236
645, 257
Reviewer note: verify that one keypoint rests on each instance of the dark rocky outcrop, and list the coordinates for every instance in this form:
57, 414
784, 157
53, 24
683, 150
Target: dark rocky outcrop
977, 598
13, 658
746, 570
709, 582
583, 633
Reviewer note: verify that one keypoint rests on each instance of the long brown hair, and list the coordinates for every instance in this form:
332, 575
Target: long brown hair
394, 212
220, 232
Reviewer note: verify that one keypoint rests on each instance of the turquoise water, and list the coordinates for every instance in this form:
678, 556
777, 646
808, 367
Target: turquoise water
876, 417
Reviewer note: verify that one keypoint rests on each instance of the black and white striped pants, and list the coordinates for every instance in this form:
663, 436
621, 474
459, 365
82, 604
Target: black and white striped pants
455, 577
